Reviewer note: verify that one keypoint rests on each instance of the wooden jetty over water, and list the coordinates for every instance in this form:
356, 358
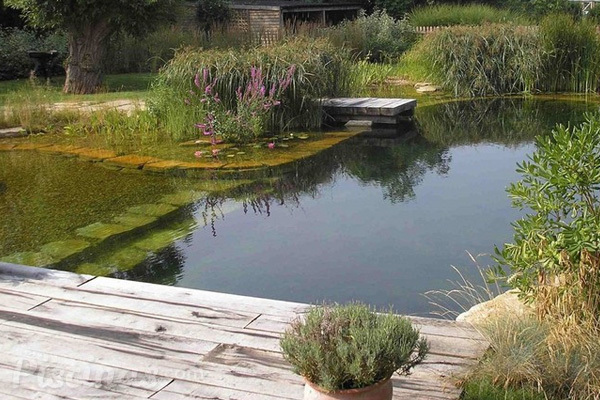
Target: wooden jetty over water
338, 111
69, 336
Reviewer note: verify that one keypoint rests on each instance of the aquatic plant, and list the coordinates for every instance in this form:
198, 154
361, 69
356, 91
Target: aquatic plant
246, 120
351, 346
321, 70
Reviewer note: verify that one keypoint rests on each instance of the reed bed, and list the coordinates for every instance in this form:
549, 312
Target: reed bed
320, 70
468, 14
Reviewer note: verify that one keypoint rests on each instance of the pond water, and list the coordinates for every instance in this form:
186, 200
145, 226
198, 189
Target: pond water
380, 218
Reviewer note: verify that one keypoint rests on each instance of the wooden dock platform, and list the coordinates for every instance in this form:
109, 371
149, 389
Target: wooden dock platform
69, 336
391, 111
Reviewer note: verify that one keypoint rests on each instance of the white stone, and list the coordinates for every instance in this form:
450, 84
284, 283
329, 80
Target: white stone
507, 302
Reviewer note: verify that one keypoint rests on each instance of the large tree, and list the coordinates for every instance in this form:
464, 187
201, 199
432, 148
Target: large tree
88, 25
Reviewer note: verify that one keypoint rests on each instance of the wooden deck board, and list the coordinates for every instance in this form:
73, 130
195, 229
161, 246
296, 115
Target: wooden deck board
368, 108
108, 338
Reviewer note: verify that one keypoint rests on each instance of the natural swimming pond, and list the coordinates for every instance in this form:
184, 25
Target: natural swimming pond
380, 218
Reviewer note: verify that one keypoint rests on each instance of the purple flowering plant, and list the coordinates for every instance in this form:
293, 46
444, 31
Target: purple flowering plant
246, 119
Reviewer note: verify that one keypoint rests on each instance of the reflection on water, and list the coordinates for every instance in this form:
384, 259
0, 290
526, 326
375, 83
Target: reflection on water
380, 217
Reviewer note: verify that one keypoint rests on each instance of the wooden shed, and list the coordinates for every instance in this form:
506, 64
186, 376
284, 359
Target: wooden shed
268, 18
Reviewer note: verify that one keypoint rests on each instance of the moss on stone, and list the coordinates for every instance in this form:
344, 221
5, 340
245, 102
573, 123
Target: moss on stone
102, 231
163, 166
66, 248
127, 259
96, 154
131, 161
154, 210
182, 198
158, 240
94, 269
134, 220
29, 258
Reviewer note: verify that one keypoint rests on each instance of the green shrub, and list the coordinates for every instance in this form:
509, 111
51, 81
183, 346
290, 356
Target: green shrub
14, 45
485, 60
554, 258
348, 347
321, 70
378, 36
468, 14
572, 54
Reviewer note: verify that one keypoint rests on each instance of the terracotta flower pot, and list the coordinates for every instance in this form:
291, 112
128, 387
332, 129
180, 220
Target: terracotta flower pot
379, 391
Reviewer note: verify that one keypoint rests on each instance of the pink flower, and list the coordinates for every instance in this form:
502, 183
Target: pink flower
215, 152
187, 102
197, 80
271, 145
205, 74
200, 126
207, 132
199, 154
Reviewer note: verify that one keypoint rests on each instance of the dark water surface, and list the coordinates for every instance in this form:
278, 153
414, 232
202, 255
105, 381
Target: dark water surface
378, 219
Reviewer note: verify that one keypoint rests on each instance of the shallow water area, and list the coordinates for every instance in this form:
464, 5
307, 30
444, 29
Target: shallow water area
380, 217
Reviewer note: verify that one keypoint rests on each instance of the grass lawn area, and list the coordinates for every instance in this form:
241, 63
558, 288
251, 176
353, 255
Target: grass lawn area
122, 86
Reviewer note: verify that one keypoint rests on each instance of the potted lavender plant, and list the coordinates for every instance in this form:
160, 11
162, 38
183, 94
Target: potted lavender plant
350, 352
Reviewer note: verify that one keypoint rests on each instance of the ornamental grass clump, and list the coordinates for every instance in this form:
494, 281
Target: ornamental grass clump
351, 346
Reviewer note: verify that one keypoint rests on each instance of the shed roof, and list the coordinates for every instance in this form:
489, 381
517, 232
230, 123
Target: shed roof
293, 5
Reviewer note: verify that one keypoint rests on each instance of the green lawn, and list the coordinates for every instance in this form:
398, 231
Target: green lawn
123, 86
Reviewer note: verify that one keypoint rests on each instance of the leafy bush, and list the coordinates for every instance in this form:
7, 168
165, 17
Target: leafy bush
348, 347
14, 45
467, 14
554, 259
485, 60
321, 70
572, 54
378, 36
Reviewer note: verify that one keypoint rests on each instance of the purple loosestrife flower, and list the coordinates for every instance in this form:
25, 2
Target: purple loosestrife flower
197, 81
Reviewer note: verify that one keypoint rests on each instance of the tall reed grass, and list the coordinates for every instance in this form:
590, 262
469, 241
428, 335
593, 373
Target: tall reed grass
485, 60
562, 55
321, 70
467, 14
571, 54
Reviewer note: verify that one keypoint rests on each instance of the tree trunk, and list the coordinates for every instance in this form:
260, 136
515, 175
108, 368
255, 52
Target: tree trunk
84, 64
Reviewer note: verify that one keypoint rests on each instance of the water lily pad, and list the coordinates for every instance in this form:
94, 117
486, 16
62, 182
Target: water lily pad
66, 248
154, 210
100, 230
134, 220
303, 137
239, 153
284, 145
29, 258
230, 155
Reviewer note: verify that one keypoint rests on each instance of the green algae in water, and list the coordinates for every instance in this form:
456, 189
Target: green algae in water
153, 210
29, 258
158, 240
66, 248
46, 198
102, 231
134, 220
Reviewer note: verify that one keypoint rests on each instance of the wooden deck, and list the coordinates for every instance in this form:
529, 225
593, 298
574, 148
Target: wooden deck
68, 336
377, 110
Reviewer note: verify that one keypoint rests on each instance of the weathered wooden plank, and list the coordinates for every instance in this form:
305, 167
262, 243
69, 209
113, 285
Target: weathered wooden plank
56, 371
183, 390
198, 298
15, 274
20, 301
259, 379
113, 324
171, 309
35, 384
362, 107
